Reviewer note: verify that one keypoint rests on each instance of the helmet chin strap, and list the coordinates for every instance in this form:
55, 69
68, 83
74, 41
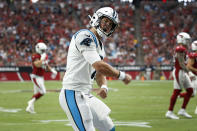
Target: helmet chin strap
100, 33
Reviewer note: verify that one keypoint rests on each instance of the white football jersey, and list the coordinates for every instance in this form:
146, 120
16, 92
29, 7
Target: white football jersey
84, 50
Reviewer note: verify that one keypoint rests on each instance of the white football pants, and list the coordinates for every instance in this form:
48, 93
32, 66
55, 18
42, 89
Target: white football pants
85, 112
38, 82
181, 79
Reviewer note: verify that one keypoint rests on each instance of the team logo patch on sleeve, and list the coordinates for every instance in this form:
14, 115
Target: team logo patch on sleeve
86, 41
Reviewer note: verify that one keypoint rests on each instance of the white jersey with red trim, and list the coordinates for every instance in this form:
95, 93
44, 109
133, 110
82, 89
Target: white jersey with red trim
179, 49
84, 50
181, 78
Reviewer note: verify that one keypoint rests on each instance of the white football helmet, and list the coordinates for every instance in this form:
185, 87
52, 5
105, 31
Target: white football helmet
183, 38
99, 14
194, 45
41, 48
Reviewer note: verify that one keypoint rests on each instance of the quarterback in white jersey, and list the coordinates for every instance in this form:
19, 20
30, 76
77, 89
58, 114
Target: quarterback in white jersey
84, 63
84, 50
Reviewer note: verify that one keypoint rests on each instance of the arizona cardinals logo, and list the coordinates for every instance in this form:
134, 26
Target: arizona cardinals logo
181, 36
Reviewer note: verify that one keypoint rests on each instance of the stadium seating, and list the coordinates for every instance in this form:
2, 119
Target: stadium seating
23, 24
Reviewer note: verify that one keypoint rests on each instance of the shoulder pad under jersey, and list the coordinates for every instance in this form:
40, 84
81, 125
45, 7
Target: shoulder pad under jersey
180, 49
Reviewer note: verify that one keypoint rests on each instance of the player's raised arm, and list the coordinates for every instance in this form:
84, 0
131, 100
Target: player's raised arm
102, 83
100, 79
49, 68
39, 63
107, 70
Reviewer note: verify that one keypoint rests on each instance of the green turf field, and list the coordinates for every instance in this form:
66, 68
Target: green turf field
140, 106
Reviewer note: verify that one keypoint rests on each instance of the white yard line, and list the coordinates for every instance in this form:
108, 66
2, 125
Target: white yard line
138, 124
19, 91
10, 91
48, 121
117, 123
2, 109
20, 124
67, 123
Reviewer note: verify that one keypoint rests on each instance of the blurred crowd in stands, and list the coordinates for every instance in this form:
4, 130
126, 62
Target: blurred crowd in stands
23, 24
160, 25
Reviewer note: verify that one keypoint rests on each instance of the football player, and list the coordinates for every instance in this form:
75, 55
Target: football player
192, 66
40, 65
84, 63
181, 78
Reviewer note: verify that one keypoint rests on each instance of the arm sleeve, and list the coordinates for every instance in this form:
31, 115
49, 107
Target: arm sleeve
91, 56
87, 45
85, 42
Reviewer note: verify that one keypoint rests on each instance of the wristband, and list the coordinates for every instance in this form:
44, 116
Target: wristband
105, 87
54, 71
122, 75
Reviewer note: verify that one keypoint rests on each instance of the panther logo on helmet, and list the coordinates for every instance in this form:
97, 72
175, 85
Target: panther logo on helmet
41, 48
99, 14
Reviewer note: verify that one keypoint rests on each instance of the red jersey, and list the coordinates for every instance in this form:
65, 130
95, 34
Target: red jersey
37, 70
179, 49
193, 55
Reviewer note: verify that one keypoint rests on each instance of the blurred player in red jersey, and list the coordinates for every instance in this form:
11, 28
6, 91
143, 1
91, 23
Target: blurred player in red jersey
181, 78
192, 66
40, 65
